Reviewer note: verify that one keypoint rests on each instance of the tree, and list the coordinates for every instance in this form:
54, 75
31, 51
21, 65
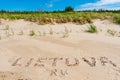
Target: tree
69, 9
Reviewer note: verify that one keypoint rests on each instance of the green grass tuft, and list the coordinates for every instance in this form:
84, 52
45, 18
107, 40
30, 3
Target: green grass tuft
7, 27
32, 33
111, 32
92, 29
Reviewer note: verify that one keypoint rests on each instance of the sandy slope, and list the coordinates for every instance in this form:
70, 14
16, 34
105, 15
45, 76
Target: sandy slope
81, 56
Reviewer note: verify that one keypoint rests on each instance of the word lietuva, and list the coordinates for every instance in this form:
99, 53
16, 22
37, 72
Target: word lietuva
41, 62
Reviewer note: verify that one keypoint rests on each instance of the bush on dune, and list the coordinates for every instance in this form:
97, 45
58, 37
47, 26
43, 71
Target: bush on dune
92, 29
69, 15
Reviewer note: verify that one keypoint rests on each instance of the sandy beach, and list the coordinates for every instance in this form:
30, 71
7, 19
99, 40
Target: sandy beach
59, 51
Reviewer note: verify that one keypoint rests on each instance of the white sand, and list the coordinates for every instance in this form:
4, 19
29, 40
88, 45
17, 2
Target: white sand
45, 56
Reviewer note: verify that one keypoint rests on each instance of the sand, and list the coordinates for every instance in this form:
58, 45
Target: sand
52, 54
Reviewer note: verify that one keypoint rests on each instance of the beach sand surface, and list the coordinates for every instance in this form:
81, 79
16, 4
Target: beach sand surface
59, 51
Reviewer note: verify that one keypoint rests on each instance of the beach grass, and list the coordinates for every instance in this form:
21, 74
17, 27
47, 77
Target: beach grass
61, 17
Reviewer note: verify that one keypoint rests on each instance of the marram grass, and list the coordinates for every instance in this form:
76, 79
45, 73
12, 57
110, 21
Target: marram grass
61, 17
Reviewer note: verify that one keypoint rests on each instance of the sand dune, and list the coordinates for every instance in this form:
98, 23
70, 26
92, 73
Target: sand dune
45, 56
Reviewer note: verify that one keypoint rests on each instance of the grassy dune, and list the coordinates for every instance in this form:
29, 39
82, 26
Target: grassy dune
61, 17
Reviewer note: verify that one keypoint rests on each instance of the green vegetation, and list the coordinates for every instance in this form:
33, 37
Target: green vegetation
32, 33
116, 18
111, 32
69, 9
6, 27
66, 33
62, 16
92, 28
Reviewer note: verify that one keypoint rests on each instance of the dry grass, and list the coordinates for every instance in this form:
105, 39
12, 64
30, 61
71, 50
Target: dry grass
111, 32
61, 17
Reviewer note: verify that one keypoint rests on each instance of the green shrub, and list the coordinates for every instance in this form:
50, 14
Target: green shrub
69, 9
32, 33
92, 28
116, 18
61, 17
117, 21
